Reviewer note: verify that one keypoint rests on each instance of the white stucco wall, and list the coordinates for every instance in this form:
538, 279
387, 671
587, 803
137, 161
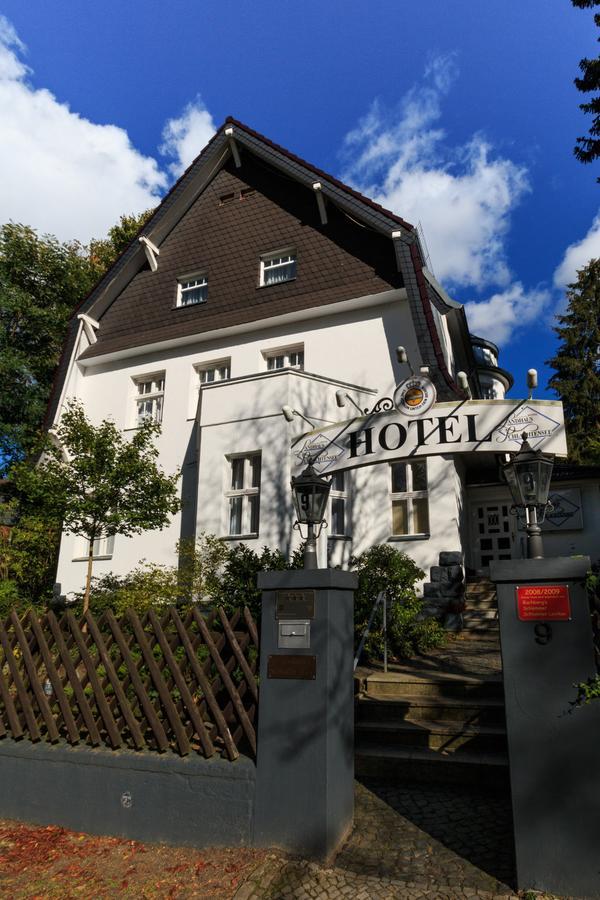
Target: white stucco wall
354, 349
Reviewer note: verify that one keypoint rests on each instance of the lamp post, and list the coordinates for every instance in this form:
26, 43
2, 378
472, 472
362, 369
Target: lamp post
310, 492
528, 476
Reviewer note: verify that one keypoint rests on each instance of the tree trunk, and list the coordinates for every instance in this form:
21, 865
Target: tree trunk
88, 579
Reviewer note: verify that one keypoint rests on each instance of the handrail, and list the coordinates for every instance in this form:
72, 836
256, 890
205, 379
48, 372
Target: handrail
381, 598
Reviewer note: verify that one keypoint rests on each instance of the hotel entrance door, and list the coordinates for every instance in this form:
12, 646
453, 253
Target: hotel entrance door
492, 534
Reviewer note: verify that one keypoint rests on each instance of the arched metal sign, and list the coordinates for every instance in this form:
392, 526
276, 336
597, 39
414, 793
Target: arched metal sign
470, 426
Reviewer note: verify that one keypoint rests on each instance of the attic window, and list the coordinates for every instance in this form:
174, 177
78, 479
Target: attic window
226, 198
277, 267
191, 291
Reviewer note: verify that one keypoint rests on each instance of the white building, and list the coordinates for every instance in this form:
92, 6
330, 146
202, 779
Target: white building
260, 282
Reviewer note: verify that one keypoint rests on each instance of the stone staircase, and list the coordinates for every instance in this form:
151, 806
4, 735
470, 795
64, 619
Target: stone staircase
439, 717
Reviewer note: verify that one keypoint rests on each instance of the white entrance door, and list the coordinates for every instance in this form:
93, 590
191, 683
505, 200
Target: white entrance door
492, 533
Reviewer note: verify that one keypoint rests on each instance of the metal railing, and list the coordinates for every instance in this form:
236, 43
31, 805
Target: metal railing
381, 599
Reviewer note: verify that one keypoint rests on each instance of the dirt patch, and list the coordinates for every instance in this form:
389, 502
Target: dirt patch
48, 862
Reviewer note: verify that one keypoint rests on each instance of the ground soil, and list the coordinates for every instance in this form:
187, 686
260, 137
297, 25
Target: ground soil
51, 863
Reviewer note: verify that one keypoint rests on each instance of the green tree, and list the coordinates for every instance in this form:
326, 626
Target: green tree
577, 365
100, 484
587, 149
41, 282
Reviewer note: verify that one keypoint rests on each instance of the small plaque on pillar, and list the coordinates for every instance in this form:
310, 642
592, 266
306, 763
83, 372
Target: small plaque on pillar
295, 605
543, 603
295, 666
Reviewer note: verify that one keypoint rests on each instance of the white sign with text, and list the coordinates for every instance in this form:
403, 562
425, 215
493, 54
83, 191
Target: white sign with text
488, 426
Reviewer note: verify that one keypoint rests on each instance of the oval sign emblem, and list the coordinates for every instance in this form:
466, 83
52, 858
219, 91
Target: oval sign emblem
414, 396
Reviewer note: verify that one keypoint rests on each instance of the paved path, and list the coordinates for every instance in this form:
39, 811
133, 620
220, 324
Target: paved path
409, 841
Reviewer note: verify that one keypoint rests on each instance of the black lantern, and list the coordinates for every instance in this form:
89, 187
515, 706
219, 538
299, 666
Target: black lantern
311, 493
528, 476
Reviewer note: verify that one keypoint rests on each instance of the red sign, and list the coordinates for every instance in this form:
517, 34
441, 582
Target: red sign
543, 602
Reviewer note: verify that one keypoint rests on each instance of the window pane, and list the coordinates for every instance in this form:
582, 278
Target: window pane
110, 545
237, 474
254, 502
399, 517
223, 373
207, 375
420, 516
255, 471
297, 359
337, 481
338, 525
235, 515
398, 478
419, 476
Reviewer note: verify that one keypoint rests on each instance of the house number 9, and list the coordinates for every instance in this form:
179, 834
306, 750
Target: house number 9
543, 633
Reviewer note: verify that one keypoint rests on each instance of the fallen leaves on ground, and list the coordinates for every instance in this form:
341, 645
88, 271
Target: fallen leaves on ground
52, 863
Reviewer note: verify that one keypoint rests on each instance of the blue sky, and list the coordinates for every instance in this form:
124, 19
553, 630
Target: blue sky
461, 116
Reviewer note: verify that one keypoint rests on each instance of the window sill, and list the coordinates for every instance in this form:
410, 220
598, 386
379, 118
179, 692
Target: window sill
189, 305
409, 537
94, 558
260, 287
238, 537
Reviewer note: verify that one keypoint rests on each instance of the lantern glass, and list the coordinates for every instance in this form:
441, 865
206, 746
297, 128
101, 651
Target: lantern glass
528, 476
310, 492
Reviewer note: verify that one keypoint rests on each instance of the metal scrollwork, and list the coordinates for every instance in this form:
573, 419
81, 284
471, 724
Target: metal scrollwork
383, 405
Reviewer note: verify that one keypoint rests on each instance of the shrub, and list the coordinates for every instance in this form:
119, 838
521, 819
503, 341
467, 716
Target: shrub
384, 568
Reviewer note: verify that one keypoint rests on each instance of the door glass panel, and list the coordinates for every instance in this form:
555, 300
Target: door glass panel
504, 543
486, 543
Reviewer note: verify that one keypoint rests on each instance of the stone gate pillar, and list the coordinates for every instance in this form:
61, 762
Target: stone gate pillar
305, 759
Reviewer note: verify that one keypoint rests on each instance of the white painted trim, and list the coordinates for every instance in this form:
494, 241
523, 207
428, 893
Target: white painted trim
67, 377
233, 147
90, 327
318, 189
151, 251
316, 312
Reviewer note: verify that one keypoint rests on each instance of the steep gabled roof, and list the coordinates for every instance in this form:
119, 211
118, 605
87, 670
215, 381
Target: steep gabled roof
231, 138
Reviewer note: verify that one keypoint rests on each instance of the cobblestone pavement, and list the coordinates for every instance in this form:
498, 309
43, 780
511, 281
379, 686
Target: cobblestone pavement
409, 841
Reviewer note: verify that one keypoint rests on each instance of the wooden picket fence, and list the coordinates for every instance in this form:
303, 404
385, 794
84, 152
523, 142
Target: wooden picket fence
161, 681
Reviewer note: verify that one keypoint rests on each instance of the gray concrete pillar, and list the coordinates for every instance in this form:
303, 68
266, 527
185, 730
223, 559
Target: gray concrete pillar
305, 760
546, 638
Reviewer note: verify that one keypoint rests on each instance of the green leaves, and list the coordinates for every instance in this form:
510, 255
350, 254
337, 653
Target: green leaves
577, 364
41, 282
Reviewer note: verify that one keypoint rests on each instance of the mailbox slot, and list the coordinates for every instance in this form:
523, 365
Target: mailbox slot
293, 634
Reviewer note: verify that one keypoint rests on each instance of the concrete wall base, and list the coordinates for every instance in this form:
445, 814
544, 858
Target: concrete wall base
141, 796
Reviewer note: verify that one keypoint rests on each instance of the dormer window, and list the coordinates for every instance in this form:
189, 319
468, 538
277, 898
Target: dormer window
192, 290
277, 267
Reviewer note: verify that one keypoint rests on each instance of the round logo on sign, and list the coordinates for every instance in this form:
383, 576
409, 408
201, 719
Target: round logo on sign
414, 396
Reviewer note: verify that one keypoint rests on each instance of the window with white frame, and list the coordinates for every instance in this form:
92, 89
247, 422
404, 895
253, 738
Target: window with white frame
284, 358
277, 267
192, 290
410, 500
338, 500
149, 398
489, 390
214, 371
243, 494
103, 547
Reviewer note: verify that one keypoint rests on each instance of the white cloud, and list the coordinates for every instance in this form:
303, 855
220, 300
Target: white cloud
185, 136
507, 311
578, 255
59, 172
463, 196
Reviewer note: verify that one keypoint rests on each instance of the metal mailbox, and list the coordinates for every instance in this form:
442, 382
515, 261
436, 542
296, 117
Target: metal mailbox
293, 634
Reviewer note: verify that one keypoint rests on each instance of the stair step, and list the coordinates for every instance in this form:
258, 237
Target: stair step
404, 764
476, 615
417, 709
441, 736
407, 685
